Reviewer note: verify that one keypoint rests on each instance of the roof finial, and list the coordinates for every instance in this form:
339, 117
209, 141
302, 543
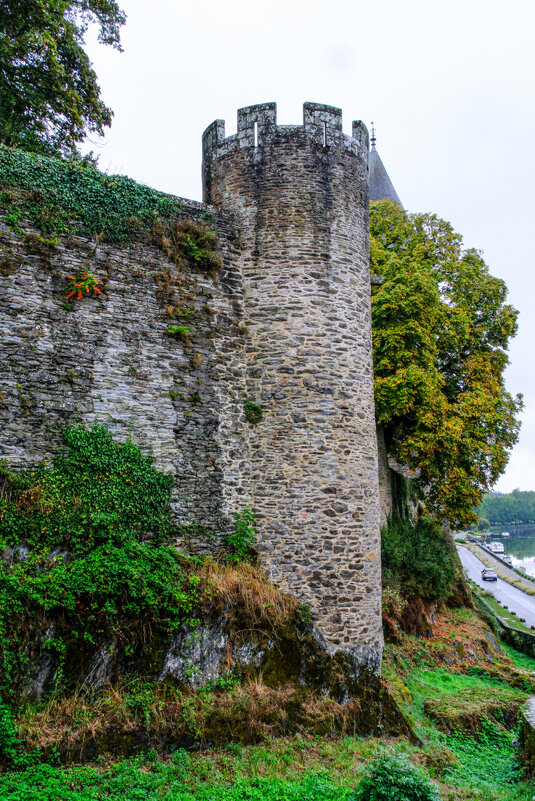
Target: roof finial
373, 135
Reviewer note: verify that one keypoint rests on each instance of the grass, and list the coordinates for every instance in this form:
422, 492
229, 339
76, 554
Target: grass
476, 764
521, 661
291, 769
243, 586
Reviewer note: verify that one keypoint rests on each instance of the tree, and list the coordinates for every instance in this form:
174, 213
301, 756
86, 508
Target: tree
49, 95
441, 329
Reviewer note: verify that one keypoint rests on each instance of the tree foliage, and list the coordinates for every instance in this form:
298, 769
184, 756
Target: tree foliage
49, 95
417, 558
513, 508
441, 328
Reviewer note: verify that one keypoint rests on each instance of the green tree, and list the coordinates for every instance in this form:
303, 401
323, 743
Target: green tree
49, 95
441, 329
515, 507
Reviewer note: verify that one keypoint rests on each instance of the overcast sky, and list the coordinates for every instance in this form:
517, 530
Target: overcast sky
449, 86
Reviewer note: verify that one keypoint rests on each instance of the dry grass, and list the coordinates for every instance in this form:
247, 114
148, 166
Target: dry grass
245, 592
127, 715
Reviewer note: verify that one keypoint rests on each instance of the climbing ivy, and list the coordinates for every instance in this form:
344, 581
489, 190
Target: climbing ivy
97, 492
60, 197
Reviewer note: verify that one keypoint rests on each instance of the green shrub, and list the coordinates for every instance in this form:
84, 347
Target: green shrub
253, 412
97, 491
9, 741
92, 562
242, 539
417, 558
393, 778
182, 332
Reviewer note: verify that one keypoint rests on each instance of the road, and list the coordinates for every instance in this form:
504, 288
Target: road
517, 601
497, 565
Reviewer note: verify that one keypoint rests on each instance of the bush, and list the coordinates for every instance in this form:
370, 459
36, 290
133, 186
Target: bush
393, 778
97, 492
417, 558
92, 563
242, 539
253, 412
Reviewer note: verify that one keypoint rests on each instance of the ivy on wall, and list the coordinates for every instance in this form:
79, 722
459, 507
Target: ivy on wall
59, 197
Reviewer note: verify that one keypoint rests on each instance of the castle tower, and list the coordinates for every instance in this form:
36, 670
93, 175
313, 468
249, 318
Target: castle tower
301, 193
381, 187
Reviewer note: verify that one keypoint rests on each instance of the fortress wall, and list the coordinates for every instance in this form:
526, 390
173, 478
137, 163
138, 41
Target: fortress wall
302, 193
286, 323
386, 501
109, 359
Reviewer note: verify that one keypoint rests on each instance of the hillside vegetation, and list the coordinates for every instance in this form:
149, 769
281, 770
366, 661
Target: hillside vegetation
513, 508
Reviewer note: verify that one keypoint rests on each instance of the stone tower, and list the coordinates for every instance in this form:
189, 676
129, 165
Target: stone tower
381, 187
301, 195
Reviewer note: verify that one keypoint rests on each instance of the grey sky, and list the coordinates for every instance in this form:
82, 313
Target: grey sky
449, 86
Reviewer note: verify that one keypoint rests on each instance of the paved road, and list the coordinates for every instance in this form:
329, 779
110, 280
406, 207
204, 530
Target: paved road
518, 602
506, 570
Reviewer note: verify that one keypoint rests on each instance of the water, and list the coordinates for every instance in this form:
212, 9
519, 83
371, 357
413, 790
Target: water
520, 546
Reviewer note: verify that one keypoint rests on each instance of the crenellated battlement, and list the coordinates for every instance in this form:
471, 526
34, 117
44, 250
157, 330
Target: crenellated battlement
257, 126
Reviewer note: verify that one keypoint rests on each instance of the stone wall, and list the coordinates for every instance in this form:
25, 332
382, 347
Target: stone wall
302, 194
286, 323
109, 359
386, 501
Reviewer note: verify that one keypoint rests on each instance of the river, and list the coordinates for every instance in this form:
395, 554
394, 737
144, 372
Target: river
520, 546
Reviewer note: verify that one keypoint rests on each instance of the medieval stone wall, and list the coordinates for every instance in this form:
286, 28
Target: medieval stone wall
302, 194
109, 359
286, 323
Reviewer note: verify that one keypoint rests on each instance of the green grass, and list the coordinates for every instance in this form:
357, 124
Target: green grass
484, 768
424, 684
487, 764
521, 661
134, 780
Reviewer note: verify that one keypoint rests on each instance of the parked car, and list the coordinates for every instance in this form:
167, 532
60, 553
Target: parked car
488, 574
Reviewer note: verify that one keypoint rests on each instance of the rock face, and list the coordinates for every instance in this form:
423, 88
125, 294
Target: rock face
286, 323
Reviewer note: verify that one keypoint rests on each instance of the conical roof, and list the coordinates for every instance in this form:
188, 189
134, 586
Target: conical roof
381, 187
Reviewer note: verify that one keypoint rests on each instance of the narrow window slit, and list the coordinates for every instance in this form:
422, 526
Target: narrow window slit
255, 133
324, 134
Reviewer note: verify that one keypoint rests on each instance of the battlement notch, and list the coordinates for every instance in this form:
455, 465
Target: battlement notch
258, 129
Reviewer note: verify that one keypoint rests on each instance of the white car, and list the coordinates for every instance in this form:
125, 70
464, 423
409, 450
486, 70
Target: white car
488, 574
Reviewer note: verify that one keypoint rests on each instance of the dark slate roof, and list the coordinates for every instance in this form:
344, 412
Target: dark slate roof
381, 187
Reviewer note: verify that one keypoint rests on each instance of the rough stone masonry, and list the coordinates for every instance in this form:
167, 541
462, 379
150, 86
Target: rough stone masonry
301, 193
286, 323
